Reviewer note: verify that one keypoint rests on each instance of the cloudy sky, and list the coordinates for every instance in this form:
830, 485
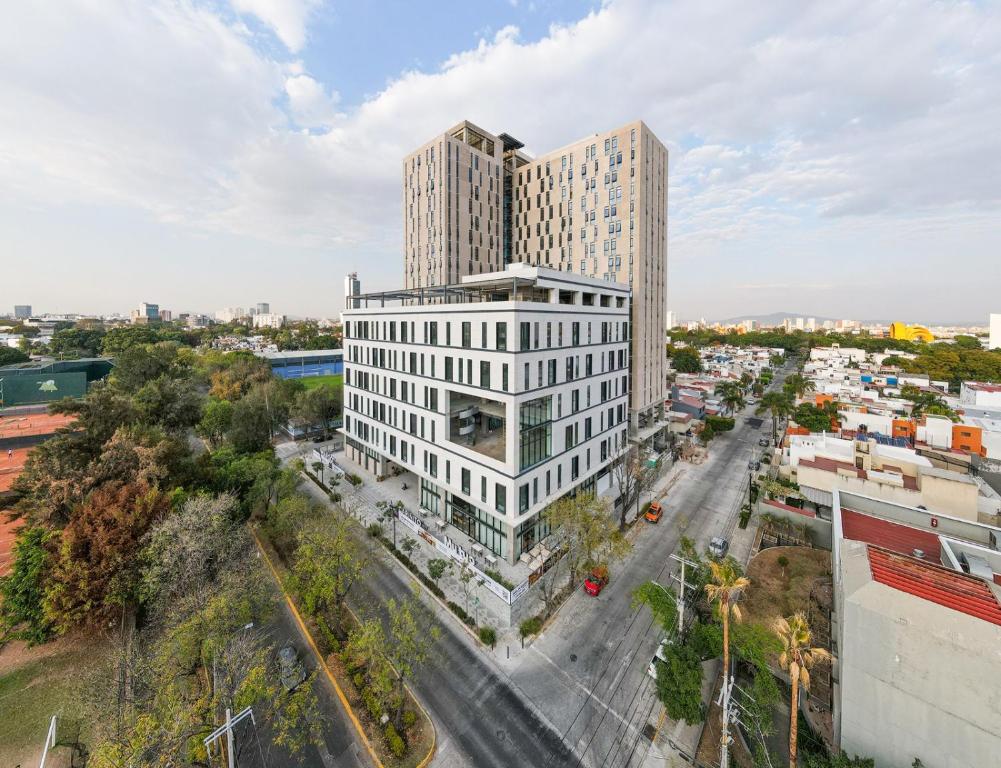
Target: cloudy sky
837, 159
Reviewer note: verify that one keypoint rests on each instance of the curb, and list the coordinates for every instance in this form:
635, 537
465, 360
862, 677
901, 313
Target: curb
330, 676
400, 566
316, 651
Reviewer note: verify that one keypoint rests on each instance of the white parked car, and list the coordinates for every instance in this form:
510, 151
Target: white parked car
658, 656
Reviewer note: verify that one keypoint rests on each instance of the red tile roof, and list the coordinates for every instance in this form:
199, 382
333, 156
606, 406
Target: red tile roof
952, 589
893, 536
828, 465
789, 508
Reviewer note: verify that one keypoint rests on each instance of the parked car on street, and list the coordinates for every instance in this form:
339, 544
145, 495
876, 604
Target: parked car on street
596, 580
660, 655
718, 547
654, 513
290, 667
764, 442
754, 465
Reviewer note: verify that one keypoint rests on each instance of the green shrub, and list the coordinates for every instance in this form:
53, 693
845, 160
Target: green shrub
371, 703
488, 636
720, 423
496, 576
358, 680
530, 626
394, 742
374, 530
330, 641
409, 718
353, 479
459, 611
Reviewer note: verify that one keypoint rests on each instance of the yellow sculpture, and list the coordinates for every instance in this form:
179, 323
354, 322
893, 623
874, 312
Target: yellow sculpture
910, 332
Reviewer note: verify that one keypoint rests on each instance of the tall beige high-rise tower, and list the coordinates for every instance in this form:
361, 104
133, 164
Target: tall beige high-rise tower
473, 201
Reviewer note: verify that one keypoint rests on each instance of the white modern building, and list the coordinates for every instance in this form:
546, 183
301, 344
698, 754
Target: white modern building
501, 393
270, 320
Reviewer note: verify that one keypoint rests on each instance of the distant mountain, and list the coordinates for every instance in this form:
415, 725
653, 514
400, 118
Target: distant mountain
775, 318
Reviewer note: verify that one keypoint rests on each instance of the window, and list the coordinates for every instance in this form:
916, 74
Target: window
535, 434
467, 335
504, 377
500, 498
483, 335
465, 481
485, 374
526, 336
483, 488
523, 499
501, 330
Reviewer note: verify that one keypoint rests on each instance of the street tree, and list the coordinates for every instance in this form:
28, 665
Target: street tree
797, 658
585, 532
329, 561
437, 568
627, 473
724, 587
779, 405
395, 651
797, 385
679, 683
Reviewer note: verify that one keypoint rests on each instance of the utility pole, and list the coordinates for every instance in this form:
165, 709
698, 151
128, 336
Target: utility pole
724, 740
681, 592
227, 729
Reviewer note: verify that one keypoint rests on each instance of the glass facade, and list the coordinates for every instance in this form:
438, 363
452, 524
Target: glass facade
535, 431
477, 525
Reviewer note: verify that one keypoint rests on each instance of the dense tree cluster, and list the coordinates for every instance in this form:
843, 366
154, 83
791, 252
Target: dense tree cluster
133, 525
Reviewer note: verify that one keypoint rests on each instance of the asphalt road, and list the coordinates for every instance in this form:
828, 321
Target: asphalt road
481, 719
579, 695
341, 747
588, 671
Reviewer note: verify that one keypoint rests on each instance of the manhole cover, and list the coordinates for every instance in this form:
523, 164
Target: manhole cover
501, 735
573, 657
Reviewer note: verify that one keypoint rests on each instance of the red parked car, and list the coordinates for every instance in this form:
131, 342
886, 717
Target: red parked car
596, 581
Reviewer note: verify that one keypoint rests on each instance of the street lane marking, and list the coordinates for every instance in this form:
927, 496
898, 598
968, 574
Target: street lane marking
590, 694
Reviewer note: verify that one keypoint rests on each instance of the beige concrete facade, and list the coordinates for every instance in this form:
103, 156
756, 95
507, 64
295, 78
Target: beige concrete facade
473, 201
452, 221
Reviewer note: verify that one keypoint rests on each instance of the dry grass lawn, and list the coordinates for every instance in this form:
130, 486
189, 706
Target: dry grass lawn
776, 592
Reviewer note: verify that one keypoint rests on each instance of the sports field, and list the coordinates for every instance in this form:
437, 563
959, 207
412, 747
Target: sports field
312, 382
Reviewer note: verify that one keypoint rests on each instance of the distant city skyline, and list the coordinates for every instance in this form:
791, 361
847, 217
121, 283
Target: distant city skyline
841, 157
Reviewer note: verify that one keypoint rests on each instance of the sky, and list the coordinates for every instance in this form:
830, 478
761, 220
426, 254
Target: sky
837, 159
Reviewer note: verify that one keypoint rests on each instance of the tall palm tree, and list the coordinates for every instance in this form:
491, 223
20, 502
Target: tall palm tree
798, 385
779, 404
797, 657
725, 585
731, 395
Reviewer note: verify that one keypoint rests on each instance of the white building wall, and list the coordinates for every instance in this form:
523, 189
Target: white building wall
917, 679
994, 340
419, 365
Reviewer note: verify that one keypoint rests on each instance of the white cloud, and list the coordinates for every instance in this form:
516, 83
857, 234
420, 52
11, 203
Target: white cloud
311, 106
787, 123
287, 18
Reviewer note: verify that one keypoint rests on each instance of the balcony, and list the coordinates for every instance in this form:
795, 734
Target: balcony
479, 424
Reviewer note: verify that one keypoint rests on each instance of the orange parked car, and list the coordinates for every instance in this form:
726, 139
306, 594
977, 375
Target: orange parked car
654, 513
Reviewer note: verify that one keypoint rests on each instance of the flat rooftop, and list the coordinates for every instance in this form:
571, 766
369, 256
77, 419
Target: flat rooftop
518, 282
